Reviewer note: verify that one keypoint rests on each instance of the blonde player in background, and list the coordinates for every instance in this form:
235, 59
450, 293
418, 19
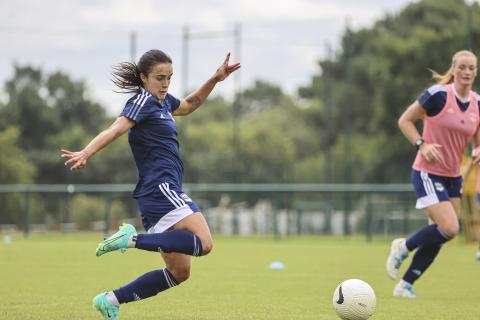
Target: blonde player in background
450, 113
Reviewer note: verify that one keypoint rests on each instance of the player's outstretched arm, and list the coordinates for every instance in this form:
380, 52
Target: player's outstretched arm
195, 99
78, 159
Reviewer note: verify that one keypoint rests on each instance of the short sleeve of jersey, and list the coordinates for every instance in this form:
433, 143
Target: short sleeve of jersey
139, 107
433, 99
172, 102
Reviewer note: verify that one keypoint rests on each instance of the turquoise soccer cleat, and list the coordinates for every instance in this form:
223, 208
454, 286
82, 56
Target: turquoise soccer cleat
106, 308
405, 290
117, 241
398, 253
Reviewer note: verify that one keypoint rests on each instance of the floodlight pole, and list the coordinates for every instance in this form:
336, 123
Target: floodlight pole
185, 40
348, 128
327, 100
236, 107
184, 89
469, 41
133, 46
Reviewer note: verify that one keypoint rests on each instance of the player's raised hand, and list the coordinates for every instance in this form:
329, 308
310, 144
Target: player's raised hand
226, 69
75, 159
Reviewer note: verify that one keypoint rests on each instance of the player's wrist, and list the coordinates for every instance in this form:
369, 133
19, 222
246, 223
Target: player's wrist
86, 154
419, 143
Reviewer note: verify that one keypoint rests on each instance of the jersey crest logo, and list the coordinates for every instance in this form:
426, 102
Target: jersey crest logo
185, 197
439, 186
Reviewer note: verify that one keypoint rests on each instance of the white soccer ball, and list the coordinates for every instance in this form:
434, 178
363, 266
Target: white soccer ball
354, 299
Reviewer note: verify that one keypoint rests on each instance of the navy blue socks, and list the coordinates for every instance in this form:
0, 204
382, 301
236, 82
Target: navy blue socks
181, 241
428, 242
153, 282
427, 236
146, 286
422, 259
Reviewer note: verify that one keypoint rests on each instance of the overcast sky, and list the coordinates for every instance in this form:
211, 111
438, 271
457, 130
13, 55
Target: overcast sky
281, 41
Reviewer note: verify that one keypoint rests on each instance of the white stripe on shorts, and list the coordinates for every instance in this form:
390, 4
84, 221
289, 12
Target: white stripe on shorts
175, 194
171, 195
431, 197
427, 183
170, 219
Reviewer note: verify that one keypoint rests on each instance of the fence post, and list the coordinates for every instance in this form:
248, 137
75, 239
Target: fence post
26, 213
299, 221
106, 215
275, 206
328, 219
369, 217
406, 217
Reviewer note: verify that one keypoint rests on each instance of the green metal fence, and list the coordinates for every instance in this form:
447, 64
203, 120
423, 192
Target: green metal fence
376, 209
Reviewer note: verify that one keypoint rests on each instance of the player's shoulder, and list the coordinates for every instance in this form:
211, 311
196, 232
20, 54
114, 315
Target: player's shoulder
433, 94
436, 89
139, 105
476, 95
141, 98
478, 99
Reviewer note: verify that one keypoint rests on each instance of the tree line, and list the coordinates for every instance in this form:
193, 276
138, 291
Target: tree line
341, 127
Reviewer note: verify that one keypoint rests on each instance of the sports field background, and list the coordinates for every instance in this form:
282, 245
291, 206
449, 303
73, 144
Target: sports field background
55, 276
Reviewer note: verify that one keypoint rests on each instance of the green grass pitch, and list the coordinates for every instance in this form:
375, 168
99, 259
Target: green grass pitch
56, 276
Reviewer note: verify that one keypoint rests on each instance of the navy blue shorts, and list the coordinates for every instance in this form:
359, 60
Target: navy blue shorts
432, 189
165, 207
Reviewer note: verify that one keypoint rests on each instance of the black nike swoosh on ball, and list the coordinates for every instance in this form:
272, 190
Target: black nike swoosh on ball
340, 295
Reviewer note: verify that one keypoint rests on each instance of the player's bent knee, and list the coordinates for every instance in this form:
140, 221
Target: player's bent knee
452, 231
207, 247
180, 274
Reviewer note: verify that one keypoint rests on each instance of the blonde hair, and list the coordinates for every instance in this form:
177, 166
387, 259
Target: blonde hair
447, 77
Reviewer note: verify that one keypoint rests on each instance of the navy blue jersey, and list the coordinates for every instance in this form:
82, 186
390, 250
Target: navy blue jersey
433, 100
153, 141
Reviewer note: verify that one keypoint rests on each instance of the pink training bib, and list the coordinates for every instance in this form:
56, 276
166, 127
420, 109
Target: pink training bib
452, 128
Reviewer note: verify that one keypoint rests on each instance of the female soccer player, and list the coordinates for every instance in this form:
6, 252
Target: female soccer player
175, 226
450, 111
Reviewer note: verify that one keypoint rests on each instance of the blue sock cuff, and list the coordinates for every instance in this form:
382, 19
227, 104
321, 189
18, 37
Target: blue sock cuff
444, 234
147, 285
197, 250
172, 282
427, 236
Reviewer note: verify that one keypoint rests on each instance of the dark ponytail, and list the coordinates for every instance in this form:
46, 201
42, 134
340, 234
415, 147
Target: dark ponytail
126, 75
